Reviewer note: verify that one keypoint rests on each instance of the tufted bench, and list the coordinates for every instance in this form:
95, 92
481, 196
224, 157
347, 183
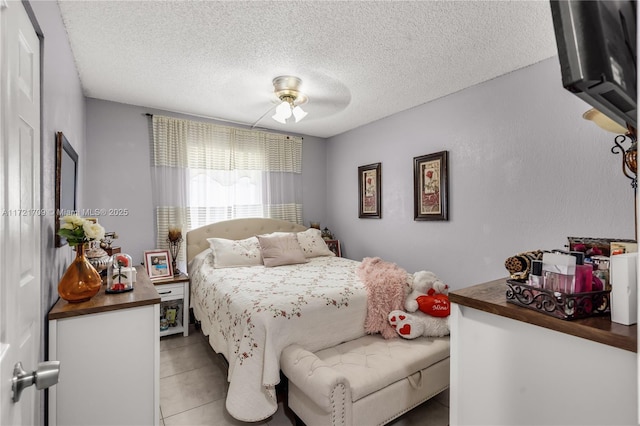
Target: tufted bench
366, 381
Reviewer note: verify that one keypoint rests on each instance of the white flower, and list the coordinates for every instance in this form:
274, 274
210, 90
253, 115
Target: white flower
74, 220
77, 230
93, 231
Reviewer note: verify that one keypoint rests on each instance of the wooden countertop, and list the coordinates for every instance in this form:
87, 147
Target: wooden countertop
143, 293
490, 297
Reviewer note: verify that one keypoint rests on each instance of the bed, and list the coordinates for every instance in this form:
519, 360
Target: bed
251, 312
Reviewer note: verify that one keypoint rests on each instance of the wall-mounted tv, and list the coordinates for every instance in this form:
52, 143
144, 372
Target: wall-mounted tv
597, 51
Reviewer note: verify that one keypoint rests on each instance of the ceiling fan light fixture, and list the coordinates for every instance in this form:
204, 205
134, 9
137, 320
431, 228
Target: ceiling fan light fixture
287, 89
283, 112
299, 113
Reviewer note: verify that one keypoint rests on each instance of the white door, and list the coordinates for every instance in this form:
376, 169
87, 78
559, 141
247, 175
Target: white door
20, 326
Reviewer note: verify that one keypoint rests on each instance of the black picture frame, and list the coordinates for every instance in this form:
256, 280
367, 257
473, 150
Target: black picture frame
66, 181
431, 186
370, 191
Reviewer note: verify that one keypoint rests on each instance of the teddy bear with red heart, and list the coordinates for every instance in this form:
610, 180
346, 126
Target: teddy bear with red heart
427, 306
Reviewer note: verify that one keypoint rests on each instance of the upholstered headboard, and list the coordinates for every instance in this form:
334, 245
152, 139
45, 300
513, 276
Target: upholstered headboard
235, 229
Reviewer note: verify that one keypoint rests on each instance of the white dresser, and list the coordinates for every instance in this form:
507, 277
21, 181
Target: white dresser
109, 353
512, 366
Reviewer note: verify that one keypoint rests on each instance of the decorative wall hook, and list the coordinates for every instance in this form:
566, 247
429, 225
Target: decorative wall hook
629, 156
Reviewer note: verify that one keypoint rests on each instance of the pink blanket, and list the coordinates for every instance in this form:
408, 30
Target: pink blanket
387, 287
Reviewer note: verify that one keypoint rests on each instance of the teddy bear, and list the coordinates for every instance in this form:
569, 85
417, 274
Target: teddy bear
426, 283
427, 308
410, 326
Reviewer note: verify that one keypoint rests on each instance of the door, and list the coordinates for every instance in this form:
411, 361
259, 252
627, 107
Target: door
20, 324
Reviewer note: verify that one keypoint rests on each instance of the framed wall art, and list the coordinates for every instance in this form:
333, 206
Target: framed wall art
158, 264
65, 183
431, 186
370, 191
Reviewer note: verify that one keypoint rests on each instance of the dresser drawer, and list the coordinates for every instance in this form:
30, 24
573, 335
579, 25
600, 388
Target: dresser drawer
170, 290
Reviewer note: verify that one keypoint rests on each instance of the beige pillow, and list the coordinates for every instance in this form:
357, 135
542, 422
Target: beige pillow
312, 243
235, 253
280, 249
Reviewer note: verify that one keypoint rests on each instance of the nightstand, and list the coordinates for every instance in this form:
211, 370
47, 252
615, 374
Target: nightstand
175, 289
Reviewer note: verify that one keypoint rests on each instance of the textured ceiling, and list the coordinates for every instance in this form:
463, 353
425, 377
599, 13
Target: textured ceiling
358, 61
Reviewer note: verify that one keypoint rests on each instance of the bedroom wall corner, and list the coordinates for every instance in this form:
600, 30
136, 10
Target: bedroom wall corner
63, 109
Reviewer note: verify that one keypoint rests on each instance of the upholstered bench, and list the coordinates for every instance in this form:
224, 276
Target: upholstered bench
364, 382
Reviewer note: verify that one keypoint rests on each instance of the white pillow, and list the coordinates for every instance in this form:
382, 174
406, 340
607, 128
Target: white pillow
312, 243
234, 253
199, 259
281, 249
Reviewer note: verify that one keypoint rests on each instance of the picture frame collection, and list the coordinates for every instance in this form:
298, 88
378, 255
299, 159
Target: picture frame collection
430, 188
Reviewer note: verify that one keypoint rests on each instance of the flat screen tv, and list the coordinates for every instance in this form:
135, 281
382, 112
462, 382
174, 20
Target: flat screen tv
597, 51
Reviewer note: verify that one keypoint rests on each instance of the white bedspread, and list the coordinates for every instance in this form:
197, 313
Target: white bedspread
252, 313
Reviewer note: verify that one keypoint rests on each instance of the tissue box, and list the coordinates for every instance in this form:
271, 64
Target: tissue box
132, 271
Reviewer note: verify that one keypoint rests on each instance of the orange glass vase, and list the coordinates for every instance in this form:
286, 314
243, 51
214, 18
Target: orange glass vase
81, 281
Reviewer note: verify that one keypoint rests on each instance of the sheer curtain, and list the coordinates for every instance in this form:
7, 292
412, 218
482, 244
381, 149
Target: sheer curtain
203, 173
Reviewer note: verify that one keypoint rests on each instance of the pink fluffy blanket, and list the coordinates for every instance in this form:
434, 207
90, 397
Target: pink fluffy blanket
386, 284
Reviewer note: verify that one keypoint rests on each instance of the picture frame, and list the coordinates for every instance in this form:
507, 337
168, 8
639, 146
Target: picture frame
66, 183
431, 186
370, 191
334, 246
597, 246
158, 264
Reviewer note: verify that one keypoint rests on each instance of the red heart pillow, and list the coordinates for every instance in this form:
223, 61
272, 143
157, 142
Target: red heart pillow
436, 305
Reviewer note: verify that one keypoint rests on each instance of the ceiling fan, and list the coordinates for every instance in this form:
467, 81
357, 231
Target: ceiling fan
287, 89
321, 98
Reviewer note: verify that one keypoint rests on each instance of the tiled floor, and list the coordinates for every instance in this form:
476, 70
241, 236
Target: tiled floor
193, 388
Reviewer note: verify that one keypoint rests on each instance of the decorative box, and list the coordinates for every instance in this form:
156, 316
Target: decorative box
560, 305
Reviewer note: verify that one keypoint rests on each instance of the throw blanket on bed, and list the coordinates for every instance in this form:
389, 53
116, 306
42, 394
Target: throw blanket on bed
387, 287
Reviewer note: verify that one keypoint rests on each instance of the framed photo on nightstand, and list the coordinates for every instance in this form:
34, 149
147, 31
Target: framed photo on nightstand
334, 246
158, 264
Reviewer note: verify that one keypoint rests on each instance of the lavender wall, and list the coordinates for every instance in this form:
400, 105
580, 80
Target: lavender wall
119, 157
63, 110
526, 171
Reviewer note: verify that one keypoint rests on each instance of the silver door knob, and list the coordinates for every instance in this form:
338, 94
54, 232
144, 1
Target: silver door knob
46, 375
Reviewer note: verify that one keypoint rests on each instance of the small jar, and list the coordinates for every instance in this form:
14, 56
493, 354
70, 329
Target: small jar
164, 324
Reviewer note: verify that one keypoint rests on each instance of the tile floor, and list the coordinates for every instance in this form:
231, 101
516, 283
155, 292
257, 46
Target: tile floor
193, 388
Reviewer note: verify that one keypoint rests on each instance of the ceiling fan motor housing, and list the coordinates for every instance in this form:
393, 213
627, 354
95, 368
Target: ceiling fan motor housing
287, 89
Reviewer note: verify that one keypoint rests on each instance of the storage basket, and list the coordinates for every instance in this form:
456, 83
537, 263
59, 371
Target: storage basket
559, 305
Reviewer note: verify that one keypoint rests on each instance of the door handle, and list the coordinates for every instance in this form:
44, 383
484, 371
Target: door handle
46, 375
